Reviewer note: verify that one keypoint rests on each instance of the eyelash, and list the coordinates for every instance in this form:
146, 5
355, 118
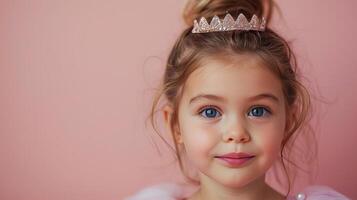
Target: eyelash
202, 109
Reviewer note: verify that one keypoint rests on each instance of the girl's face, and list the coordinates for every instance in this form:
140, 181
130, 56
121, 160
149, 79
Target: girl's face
229, 108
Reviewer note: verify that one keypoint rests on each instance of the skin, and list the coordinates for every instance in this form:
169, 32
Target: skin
234, 123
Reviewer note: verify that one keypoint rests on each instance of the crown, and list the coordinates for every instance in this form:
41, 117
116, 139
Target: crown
229, 24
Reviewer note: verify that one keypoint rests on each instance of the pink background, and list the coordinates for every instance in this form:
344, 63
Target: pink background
77, 78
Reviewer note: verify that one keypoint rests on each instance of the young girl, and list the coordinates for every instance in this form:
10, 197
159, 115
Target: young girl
234, 104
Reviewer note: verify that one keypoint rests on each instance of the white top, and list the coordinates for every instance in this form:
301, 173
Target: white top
176, 191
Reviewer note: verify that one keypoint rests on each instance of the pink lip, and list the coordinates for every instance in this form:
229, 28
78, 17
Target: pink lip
236, 155
235, 162
235, 159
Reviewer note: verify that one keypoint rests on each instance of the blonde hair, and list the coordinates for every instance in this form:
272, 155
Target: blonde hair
189, 49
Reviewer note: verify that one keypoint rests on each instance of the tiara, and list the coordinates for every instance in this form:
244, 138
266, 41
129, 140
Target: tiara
229, 24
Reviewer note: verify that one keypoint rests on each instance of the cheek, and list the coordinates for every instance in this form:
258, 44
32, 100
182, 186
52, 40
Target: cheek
270, 139
271, 147
199, 140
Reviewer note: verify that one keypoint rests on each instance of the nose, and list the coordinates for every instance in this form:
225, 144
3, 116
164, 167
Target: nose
236, 133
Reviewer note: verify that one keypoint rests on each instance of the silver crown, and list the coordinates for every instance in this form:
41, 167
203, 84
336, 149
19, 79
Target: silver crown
228, 24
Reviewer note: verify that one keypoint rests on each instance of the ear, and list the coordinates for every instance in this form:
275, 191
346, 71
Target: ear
168, 112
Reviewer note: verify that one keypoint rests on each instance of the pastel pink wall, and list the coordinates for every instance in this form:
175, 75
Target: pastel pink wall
76, 82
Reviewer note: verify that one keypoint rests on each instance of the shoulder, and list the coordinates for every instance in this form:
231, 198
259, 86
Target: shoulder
319, 192
162, 191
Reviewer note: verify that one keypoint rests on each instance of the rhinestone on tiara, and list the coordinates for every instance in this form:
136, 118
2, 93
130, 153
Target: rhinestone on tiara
229, 24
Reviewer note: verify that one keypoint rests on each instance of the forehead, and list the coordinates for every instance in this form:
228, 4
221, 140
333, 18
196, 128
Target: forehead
236, 80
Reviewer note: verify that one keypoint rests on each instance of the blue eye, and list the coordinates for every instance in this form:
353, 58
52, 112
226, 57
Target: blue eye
259, 111
209, 112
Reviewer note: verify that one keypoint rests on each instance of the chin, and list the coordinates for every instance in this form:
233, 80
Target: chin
236, 181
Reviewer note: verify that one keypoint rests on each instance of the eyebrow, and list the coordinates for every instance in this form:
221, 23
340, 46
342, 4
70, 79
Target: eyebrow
218, 98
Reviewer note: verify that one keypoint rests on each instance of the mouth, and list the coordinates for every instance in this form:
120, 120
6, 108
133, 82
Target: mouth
235, 155
232, 157
235, 162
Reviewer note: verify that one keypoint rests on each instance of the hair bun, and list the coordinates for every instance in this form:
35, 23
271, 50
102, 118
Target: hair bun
196, 9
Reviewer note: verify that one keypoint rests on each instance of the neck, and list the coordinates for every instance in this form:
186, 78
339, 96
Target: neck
255, 190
